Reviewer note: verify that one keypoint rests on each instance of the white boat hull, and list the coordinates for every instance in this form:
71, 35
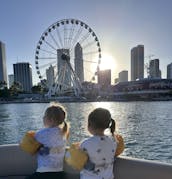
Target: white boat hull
16, 164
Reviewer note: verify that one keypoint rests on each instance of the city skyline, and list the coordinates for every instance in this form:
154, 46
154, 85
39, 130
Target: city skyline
137, 66
119, 25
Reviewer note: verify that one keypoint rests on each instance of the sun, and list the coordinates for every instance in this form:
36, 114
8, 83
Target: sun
107, 62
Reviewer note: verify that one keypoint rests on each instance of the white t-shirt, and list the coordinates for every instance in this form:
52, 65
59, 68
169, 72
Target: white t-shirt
50, 157
101, 150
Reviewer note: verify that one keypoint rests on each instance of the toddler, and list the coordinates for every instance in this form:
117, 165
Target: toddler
53, 142
99, 147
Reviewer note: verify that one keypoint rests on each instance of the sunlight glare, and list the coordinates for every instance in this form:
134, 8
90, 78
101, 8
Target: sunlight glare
107, 62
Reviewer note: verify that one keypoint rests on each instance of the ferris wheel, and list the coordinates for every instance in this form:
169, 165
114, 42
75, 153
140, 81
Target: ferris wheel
67, 54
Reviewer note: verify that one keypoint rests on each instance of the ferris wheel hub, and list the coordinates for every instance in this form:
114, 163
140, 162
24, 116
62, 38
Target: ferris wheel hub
65, 57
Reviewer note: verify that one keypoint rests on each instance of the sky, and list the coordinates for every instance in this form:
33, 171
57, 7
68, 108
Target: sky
119, 25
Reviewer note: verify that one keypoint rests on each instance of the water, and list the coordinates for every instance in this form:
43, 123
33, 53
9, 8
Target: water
145, 126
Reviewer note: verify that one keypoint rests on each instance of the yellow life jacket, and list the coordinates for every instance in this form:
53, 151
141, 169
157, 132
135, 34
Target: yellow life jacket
75, 157
29, 143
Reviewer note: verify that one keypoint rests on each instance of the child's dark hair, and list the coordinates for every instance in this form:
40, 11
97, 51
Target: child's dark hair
57, 113
100, 118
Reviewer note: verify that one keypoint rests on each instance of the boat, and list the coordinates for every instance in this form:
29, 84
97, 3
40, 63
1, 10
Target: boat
17, 164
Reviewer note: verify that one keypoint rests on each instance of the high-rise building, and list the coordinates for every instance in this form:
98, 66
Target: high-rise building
137, 63
104, 77
169, 71
123, 76
10, 80
79, 67
23, 75
64, 72
3, 68
154, 71
50, 76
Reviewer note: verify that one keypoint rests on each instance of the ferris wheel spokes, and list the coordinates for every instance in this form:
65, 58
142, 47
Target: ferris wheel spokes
58, 46
65, 82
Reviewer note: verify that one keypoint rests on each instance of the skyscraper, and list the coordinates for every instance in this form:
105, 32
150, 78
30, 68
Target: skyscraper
137, 62
123, 76
3, 68
50, 76
23, 75
169, 71
79, 68
154, 71
10, 80
64, 72
104, 77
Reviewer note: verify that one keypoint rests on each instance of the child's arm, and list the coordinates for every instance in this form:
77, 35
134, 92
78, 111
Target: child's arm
120, 145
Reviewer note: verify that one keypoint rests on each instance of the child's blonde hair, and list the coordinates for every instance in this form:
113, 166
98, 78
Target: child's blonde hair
57, 113
100, 118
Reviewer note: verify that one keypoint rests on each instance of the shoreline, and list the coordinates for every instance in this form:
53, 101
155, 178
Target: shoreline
82, 101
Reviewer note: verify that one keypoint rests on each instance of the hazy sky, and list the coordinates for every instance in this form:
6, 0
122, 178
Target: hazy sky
119, 24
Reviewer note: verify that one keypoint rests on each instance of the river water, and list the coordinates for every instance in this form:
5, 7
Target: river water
145, 126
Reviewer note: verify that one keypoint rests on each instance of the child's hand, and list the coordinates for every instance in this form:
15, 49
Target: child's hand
120, 145
76, 145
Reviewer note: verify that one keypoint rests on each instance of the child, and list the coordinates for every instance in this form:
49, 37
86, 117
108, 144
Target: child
100, 148
53, 139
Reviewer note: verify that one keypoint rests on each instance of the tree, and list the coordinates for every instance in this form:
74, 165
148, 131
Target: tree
16, 88
3, 85
4, 93
37, 89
